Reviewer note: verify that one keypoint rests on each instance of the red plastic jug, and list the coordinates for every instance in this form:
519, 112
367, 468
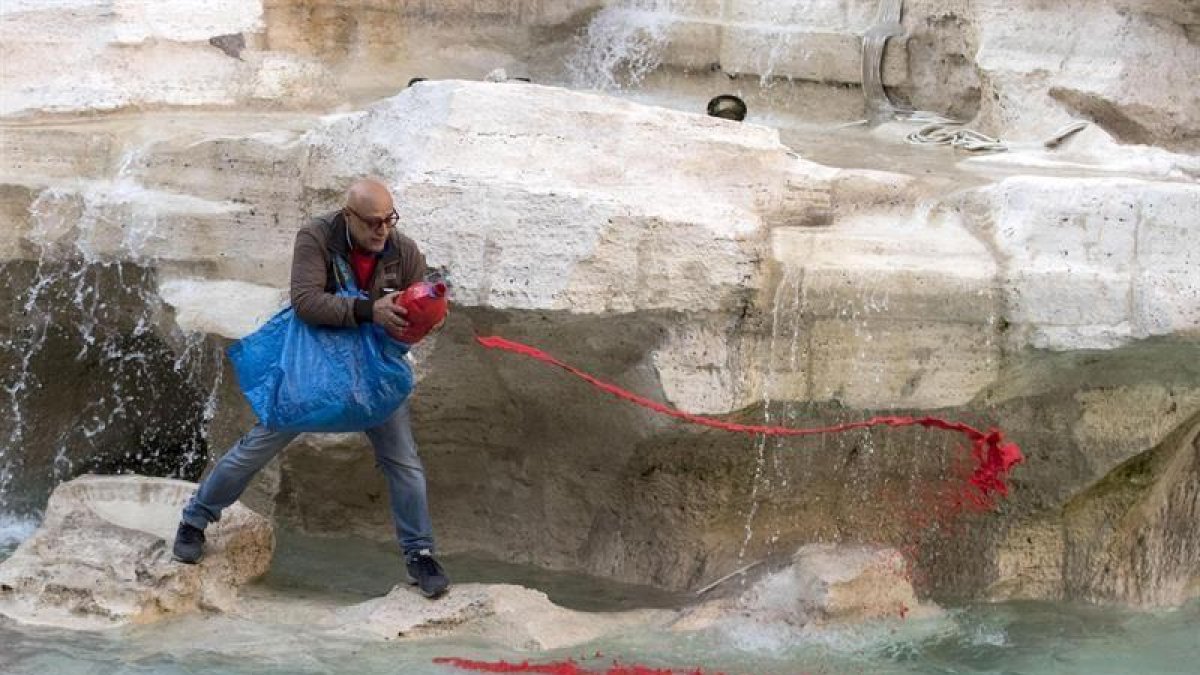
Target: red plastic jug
426, 304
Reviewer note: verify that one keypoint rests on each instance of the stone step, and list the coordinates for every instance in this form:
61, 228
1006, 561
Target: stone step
794, 52
123, 220
36, 152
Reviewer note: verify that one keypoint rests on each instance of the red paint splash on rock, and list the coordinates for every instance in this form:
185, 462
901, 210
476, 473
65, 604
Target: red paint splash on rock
558, 668
993, 456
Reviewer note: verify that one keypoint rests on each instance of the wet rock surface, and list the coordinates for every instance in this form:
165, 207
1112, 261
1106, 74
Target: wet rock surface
513, 616
820, 584
102, 557
1130, 538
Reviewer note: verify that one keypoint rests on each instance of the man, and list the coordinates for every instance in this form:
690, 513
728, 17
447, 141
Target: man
363, 234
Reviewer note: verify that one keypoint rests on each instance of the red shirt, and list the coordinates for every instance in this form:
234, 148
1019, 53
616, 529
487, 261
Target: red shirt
363, 263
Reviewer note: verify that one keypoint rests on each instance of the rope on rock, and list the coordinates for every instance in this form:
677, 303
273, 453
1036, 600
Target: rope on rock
994, 457
950, 133
937, 129
944, 131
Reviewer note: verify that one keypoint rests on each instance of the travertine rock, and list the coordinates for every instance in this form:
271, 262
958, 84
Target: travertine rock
1093, 263
102, 556
81, 56
824, 583
512, 616
1103, 62
828, 582
673, 253
1132, 538
531, 209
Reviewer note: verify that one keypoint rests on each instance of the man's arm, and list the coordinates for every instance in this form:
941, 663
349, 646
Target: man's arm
312, 304
413, 268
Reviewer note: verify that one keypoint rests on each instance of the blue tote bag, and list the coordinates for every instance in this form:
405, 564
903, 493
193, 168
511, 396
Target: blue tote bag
300, 377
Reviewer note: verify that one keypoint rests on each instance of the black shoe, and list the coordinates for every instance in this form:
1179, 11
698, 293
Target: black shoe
425, 571
189, 544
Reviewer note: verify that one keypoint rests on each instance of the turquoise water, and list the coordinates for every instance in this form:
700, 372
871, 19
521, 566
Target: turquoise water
997, 638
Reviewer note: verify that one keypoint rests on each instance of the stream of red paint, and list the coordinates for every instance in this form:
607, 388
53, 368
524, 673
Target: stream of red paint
993, 458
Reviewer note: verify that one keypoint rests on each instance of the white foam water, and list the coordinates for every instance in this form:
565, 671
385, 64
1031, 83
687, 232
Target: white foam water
621, 44
14, 530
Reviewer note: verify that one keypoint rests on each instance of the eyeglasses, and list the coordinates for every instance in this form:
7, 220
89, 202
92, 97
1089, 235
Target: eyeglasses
389, 220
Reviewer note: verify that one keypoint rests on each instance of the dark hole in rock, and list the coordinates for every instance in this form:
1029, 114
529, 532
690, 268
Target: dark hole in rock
727, 106
232, 44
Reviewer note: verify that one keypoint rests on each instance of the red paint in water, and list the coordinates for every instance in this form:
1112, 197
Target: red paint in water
557, 668
992, 455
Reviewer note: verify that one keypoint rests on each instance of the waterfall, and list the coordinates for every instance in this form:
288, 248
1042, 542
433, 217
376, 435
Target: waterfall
621, 45
94, 375
787, 316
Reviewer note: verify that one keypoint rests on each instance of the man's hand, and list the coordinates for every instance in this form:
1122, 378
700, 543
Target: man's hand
388, 314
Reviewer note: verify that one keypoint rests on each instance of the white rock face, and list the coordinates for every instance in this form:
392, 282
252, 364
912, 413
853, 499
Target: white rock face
513, 616
102, 556
204, 306
818, 41
137, 21
1104, 62
1094, 263
897, 311
897, 292
994, 58
84, 55
529, 210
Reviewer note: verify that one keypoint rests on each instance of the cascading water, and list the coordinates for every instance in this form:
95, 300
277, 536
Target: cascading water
621, 44
782, 464
897, 487
626, 41
786, 319
93, 376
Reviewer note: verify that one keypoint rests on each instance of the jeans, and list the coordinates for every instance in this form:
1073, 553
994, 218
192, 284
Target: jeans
395, 455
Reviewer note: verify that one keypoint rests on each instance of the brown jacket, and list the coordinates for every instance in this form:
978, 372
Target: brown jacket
314, 282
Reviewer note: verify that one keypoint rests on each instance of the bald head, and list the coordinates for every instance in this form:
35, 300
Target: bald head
369, 213
367, 195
